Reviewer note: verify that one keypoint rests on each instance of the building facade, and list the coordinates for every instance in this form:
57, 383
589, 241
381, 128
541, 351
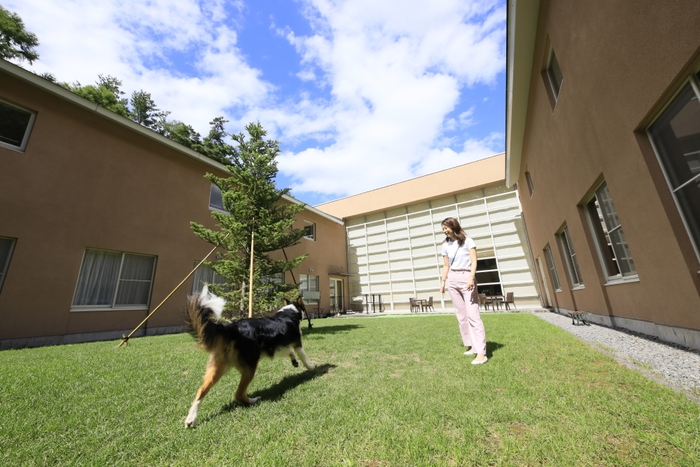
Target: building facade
394, 236
94, 221
603, 143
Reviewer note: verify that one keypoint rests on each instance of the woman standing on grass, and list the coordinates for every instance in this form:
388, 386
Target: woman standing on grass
459, 275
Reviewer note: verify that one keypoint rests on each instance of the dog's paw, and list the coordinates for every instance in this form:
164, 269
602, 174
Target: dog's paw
310, 366
189, 423
253, 400
295, 363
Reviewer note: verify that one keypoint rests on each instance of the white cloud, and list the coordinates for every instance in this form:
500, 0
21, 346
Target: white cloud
396, 70
132, 40
389, 73
471, 150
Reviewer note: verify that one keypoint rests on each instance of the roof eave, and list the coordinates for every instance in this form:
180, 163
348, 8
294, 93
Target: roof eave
522, 33
60, 92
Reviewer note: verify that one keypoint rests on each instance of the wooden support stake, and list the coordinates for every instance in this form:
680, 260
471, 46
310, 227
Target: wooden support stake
250, 281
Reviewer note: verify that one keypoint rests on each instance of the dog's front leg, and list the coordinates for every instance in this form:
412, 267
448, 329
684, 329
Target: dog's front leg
304, 359
215, 370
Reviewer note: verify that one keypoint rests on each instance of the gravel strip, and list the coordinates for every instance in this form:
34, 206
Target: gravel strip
669, 364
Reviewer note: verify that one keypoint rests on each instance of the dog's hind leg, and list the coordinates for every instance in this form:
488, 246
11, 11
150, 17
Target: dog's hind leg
215, 370
247, 375
302, 356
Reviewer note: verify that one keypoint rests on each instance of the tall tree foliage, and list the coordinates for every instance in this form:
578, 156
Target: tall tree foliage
144, 111
254, 206
16, 43
106, 92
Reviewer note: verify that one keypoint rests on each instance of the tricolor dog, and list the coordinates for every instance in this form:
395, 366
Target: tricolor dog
239, 344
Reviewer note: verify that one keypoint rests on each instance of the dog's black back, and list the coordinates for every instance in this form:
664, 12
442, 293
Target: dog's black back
254, 336
250, 337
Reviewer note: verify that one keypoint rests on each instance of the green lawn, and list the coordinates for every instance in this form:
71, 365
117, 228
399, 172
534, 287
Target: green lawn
388, 391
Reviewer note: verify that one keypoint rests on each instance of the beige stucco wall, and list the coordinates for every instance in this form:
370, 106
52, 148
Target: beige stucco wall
326, 254
621, 63
88, 181
82, 182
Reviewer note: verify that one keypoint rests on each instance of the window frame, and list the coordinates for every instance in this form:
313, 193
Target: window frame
694, 81
304, 286
553, 274
604, 244
312, 226
488, 287
5, 267
27, 131
530, 186
212, 206
113, 306
555, 89
570, 260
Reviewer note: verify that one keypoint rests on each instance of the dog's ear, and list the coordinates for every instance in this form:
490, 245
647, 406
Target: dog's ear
286, 301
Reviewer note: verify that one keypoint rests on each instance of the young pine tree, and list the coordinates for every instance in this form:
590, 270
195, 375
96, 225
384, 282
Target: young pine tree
256, 207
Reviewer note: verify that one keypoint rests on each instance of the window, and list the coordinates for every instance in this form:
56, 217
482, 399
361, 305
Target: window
310, 231
554, 74
112, 279
676, 139
530, 186
552, 270
216, 200
570, 257
6, 247
487, 277
308, 287
205, 275
15, 126
336, 295
607, 231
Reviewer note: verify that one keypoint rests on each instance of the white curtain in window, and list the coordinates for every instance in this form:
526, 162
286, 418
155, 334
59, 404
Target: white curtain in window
135, 280
98, 278
205, 275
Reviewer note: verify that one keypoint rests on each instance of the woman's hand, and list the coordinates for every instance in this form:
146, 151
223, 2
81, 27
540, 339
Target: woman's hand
442, 288
471, 283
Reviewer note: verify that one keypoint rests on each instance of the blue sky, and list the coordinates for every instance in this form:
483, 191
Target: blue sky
360, 93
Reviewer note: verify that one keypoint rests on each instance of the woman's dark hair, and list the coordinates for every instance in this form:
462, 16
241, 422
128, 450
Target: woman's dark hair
453, 224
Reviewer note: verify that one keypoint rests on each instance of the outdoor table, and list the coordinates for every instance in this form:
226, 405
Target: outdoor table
376, 302
494, 300
497, 300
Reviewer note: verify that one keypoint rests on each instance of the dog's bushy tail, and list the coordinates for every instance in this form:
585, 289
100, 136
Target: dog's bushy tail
203, 311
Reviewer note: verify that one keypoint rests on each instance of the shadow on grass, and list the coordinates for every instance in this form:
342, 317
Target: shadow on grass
276, 391
491, 347
331, 329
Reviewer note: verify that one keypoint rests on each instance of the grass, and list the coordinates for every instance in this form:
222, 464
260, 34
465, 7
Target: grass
388, 391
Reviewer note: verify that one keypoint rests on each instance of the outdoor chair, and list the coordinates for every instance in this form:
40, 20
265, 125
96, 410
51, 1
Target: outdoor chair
414, 305
483, 301
428, 306
509, 299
